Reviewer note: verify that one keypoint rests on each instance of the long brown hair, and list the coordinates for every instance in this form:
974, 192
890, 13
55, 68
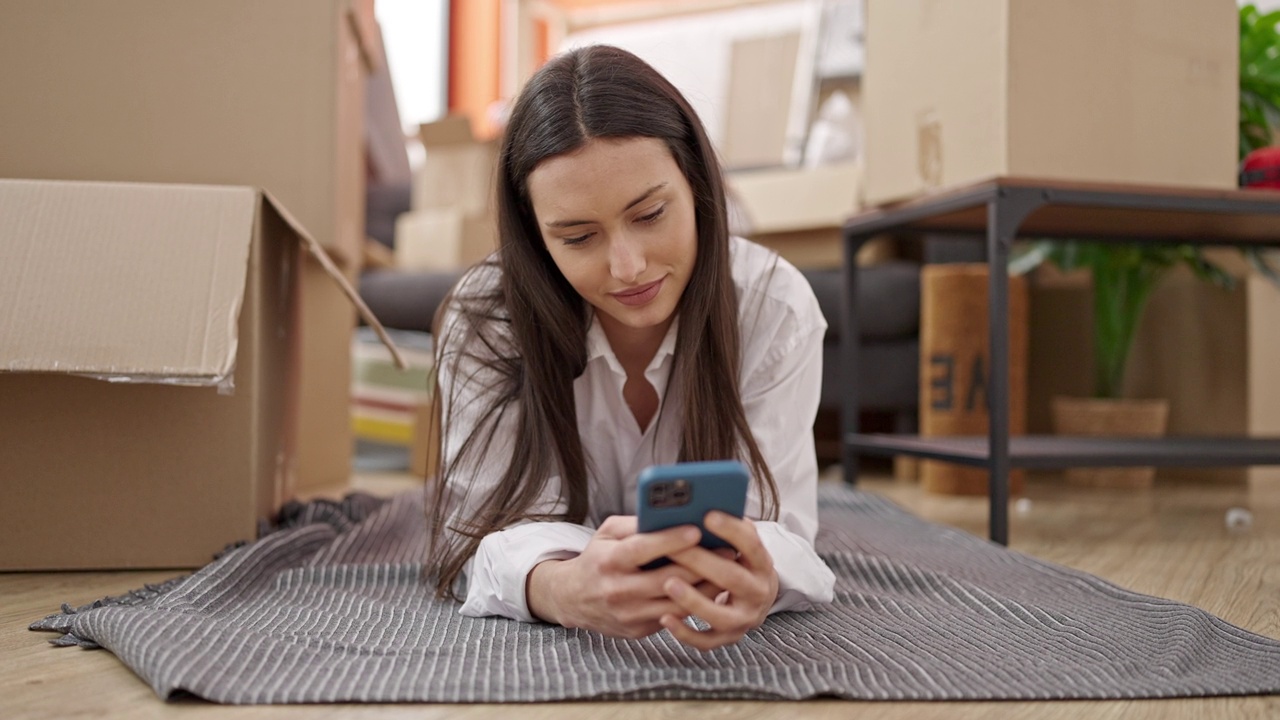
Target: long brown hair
529, 331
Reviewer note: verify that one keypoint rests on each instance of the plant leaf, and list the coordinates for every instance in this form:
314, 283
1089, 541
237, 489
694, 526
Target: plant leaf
1259, 259
1208, 271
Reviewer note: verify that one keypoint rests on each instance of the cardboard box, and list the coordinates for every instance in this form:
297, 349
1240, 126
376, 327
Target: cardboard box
241, 92
452, 225
328, 323
443, 239
1136, 91
799, 212
761, 125
149, 370
153, 91
458, 173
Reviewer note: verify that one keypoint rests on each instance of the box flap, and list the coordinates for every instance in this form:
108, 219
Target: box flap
331, 269
127, 281
785, 200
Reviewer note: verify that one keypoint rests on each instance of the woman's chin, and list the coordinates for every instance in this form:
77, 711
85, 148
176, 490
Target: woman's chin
641, 320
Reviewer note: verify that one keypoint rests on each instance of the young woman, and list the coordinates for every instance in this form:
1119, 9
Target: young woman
620, 326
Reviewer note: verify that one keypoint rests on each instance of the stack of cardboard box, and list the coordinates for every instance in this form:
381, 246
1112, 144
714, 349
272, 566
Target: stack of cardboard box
235, 92
452, 224
1136, 92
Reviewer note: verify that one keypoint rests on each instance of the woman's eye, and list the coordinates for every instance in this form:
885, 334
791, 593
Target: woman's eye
577, 240
653, 216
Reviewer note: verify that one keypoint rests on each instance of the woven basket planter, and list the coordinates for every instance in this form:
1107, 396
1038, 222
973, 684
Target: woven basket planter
1095, 417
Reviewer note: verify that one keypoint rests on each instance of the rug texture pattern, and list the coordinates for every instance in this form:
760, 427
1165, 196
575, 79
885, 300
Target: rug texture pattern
331, 606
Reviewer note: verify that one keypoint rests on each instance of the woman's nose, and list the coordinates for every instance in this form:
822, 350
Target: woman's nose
626, 259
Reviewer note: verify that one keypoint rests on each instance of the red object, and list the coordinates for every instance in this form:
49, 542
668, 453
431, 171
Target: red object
1261, 168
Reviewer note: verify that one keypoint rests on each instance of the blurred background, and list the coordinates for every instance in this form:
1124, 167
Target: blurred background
375, 122
498, 43
776, 83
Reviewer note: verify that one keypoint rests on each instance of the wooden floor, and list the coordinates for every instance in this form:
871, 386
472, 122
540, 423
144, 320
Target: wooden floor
1172, 541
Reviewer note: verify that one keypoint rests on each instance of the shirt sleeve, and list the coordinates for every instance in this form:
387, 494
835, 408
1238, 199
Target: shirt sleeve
780, 397
495, 575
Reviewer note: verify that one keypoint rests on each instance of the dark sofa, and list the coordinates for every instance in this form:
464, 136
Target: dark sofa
888, 302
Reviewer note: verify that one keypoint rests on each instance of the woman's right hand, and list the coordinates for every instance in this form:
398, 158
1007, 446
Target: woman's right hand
603, 589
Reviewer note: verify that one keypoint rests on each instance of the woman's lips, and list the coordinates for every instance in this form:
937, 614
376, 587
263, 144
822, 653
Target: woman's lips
640, 295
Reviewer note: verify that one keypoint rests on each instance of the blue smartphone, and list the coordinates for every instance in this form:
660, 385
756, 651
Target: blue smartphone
683, 494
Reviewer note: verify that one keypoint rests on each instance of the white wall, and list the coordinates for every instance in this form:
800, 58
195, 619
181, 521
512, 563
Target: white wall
416, 35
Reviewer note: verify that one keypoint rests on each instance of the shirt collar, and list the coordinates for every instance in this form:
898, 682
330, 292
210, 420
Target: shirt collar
598, 346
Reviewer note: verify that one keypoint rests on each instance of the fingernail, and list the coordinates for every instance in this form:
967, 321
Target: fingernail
674, 589
692, 535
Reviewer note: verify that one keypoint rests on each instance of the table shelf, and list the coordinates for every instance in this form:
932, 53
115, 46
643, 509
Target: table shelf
1050, 452
1001, 210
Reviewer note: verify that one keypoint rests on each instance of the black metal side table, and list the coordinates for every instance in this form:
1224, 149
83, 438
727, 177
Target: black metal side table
1002, 210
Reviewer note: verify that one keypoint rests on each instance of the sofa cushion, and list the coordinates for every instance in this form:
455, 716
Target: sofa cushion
888, 376
406, 300
888, 300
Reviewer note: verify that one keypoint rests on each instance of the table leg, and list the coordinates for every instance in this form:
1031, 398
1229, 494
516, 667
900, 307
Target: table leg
1005, 215
849, 357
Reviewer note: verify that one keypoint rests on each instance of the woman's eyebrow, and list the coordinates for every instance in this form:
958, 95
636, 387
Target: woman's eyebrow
633, 203
645, 196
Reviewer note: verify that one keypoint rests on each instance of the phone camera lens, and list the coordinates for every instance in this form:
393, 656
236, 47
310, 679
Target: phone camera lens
658, 495
680, 493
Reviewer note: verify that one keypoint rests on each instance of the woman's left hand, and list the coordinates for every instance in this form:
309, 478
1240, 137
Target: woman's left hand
750, 584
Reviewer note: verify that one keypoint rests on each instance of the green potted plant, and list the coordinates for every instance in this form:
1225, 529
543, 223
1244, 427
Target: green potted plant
1124, 276
1259, 78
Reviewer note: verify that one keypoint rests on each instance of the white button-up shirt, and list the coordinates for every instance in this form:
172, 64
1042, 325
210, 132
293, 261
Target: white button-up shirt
781, 330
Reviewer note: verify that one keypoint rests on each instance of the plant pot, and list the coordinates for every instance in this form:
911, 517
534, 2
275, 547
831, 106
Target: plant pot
1095, 417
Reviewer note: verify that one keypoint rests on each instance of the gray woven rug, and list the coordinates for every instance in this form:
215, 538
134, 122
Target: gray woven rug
331, 607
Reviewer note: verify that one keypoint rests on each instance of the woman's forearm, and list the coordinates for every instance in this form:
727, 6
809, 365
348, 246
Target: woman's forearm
540, 591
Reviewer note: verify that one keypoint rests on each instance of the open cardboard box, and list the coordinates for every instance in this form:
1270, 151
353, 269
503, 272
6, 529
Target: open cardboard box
232, 92
149, 370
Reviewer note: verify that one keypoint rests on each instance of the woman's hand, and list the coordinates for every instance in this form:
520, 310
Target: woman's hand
750, 581
604, 589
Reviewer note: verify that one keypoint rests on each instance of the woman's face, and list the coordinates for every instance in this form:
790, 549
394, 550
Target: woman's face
617, 217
